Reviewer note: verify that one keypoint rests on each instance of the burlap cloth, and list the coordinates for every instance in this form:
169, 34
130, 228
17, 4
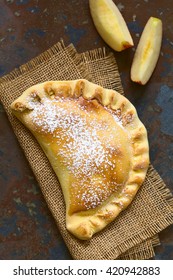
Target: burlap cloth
133, 234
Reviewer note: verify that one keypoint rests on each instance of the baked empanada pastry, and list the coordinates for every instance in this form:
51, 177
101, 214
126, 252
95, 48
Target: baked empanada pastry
95, 143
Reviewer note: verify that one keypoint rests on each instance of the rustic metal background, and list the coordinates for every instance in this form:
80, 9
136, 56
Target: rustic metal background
29, 27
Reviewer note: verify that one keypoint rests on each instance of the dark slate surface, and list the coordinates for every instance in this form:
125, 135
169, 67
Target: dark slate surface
29, 27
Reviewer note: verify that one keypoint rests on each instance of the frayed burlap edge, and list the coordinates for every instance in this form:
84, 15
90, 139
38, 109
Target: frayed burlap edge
45, 56
111, 79
143, 251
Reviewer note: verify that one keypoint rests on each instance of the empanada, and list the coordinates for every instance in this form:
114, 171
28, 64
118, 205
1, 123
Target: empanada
95, 143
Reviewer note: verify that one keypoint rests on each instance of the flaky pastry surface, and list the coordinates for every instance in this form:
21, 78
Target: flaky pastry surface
95, 143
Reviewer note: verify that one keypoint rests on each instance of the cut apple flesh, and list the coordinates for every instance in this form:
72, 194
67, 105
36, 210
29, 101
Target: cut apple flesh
147, 52
110, 24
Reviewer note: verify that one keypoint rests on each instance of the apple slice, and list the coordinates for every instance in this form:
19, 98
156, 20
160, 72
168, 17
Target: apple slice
147, 52
110, 24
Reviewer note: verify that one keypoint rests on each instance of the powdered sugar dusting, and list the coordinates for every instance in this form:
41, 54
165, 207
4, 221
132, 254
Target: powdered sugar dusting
86, 149
79, 146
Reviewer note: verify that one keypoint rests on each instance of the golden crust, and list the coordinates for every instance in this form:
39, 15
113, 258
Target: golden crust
94, 104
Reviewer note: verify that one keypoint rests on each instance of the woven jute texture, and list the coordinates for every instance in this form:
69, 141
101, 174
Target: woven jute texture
130, 236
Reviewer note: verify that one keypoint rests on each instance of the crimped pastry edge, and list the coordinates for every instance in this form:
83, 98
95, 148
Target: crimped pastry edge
80, 225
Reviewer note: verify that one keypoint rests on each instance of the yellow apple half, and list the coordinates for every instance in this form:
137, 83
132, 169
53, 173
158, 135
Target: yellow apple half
110, 24
147, 52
